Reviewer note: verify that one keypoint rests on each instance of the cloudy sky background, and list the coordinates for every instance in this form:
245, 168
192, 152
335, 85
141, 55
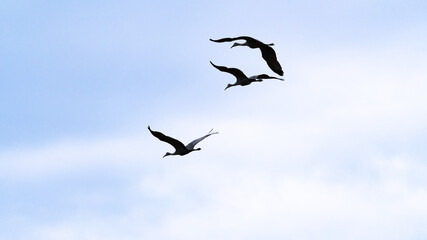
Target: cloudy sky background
337, 151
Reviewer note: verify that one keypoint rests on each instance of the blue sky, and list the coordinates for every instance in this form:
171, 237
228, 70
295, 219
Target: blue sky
337, 151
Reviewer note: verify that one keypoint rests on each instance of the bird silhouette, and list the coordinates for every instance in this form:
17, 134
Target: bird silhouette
241, 78
180, 148
267, 52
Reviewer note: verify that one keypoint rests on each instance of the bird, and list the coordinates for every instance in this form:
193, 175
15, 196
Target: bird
180, 148
267, 52
241, 78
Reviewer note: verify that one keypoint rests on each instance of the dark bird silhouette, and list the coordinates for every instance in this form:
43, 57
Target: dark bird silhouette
241, 78
180, 148
267, 52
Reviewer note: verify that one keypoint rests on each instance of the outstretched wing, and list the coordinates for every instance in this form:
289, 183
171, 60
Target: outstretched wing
265, 76
172, 141
194, 142
269, 56
251, 42
228, 39
222, 40
236, 72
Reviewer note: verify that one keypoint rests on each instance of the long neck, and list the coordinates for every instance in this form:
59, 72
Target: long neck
230, 85
169, 154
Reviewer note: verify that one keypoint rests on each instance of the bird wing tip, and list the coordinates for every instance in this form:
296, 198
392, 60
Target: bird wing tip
215, 132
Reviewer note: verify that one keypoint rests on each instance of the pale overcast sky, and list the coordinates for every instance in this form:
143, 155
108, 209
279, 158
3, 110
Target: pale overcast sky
335, 152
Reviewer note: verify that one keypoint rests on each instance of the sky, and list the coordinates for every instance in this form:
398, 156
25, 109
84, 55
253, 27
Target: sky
336, 151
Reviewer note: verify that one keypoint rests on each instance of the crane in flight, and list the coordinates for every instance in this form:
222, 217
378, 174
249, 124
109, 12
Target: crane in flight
241, 78
180, 148
267, 52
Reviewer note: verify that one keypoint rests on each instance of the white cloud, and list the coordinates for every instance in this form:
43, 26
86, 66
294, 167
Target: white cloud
248, 204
